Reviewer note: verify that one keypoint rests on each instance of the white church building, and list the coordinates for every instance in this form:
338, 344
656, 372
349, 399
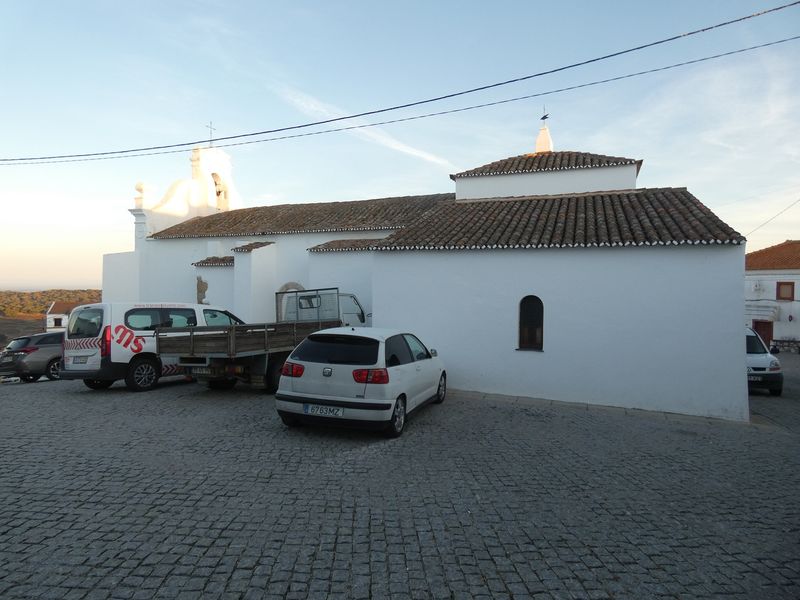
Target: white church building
546, 275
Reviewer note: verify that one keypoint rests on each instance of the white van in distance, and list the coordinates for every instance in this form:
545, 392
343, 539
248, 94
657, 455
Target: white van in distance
106, 342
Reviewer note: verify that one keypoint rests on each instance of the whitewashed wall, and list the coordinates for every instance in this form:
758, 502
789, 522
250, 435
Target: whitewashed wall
351, 272
120, 277
760, 293
547, 183
220, 290
650, 328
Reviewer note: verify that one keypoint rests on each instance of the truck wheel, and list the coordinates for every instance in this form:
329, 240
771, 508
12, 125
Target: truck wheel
221, 384
97, 384
143, 374
273, 378
776, 391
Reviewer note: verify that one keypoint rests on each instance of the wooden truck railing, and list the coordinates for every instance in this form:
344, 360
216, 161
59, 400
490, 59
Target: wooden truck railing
230, 341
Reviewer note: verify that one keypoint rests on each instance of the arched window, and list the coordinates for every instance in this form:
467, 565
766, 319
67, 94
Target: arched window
531, 323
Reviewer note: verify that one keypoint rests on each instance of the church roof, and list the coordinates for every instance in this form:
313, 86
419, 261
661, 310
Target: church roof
361, 215
547, 161
639, 217
779, 257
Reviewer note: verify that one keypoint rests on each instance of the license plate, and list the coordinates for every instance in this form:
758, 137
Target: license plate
753, 378
79, 360
323, 411
201, 371
7, 359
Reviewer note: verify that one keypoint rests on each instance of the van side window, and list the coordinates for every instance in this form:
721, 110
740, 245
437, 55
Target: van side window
143, 318
217, 317
179, 317
397, 352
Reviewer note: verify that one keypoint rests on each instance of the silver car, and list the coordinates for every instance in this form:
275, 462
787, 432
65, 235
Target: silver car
31, 356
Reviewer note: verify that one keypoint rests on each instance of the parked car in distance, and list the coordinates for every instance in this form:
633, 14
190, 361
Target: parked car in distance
359, 376
763, 369
31, 356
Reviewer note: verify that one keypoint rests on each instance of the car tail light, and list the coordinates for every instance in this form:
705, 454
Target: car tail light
292, 369
371, 376
105, 342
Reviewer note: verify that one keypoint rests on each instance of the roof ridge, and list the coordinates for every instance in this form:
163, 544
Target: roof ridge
567, 195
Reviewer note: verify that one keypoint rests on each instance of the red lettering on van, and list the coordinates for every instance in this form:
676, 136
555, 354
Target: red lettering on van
128, 339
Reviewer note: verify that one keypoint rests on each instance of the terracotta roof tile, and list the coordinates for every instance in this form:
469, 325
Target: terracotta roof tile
215, 261
62, 308
345, 245
547, 161
363, 215
640, 217
251, 246
779, 257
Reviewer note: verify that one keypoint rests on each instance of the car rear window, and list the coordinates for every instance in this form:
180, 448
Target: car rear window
18, 343
85, 323
754, 345
338, 350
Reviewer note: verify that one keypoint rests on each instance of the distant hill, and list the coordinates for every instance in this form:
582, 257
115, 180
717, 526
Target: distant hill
27, 305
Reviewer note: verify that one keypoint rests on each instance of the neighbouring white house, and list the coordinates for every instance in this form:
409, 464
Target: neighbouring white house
772, 285
548, 275
55, 319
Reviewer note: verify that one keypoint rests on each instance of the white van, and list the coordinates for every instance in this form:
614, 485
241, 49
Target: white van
106, 342
763, 369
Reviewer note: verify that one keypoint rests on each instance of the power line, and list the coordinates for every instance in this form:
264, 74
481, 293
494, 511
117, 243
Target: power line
774, 216
423, 116
418, 102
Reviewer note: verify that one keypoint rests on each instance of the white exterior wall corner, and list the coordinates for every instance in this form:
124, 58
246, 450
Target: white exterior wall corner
649, 328
542, 183
259, 268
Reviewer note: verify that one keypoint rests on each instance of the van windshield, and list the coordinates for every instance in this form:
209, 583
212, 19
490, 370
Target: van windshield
85, 323
754, 345
337, 350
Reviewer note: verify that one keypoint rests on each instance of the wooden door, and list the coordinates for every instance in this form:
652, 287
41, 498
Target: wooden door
764, 329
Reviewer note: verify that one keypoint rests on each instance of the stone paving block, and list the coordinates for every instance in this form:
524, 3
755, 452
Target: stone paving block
183, 491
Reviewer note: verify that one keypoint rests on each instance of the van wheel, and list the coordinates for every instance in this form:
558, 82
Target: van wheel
221, 384
51, 372
143, 374
398, 420
97, 384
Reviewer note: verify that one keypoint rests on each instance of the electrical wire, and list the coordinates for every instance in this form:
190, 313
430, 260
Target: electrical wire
423, 116
416, 103
774, 217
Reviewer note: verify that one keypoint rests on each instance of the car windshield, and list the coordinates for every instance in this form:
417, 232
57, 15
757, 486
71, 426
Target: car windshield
754, 345
18, 343
337, 349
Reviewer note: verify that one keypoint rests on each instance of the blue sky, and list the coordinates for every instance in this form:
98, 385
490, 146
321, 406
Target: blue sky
96, 76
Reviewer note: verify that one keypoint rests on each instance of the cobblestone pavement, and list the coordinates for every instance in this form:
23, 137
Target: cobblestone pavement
188, 493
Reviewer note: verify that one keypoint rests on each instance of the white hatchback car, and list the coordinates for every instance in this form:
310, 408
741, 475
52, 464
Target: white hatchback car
362, 375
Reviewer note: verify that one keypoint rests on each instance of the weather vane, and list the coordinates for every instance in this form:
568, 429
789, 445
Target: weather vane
545, 115
211, 130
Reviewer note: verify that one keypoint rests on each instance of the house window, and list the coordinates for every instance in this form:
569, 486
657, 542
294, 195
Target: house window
784, 290
57, 322
531, 323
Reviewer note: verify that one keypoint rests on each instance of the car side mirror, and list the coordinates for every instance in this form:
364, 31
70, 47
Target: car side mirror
434, 352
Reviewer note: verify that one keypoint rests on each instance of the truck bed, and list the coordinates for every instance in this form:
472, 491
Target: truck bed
231, 341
